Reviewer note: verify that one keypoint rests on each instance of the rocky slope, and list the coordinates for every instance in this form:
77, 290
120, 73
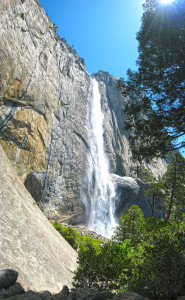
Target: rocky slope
43, 107
29, 244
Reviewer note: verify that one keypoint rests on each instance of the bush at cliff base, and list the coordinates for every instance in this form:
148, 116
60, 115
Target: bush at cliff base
74, 239
152, 265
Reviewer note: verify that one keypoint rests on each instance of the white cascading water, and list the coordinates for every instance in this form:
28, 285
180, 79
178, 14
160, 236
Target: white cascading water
99, 192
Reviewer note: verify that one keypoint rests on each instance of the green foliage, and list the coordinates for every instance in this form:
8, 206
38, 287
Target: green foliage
131, 226
155, 190
158, 266
70, 235
88, 242
174, 180
64, 40
156, 115
168, 192
147, 256
74, 239
101, 268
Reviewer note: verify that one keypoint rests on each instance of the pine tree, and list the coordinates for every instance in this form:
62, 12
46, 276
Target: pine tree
156, 115
155, 190
175, 186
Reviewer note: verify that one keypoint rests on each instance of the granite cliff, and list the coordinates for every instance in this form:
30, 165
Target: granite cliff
29, 244
43, 107
44, 88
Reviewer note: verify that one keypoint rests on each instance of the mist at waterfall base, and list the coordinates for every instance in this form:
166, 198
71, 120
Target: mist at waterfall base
99, 193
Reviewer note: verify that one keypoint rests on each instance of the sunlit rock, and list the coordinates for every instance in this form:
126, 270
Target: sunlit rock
29, 244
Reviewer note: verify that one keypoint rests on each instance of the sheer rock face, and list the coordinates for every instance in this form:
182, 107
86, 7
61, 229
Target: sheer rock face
43, 98
29, 244
43, 108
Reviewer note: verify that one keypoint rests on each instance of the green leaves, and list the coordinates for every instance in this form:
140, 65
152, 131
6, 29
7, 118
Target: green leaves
131, 226
147, 256
71, 235
101, 269
74, 239
156, 113
175, 186
155, 190
159, 274
168, 192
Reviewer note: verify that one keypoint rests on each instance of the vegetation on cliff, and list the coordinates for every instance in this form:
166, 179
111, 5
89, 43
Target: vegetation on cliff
74, 238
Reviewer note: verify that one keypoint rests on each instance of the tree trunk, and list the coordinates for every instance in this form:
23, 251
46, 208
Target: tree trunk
153, 205
170, 205
172, 194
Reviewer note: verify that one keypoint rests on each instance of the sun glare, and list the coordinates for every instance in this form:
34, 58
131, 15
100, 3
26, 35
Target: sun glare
166, 1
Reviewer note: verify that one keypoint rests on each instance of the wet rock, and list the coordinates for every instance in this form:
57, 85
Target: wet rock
128, 190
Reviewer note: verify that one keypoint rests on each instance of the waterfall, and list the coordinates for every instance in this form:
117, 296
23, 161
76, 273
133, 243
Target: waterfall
99, 191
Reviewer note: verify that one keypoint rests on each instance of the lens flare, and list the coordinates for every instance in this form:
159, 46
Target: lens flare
166, 1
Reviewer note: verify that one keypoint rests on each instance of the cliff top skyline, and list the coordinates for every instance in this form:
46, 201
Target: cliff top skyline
103, 32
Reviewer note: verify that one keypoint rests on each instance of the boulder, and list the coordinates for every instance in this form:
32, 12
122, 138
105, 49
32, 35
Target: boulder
127, 191
12, 290
63, 295
129, 296
28, 296
7, 278
86, 294
46, 295
34, 183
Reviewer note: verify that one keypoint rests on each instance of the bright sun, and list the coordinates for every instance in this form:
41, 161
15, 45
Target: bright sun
166, 1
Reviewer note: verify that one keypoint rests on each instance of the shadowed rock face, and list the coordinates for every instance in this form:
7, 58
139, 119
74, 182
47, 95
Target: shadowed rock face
43, 109
127, 190
29, 244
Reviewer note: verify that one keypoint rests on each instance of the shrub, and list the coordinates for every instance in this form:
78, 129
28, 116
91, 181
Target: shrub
158, 266
147, 257
74, 239
70, 235
131, 226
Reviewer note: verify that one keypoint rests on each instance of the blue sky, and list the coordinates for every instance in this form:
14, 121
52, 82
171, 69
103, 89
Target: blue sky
103, 32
